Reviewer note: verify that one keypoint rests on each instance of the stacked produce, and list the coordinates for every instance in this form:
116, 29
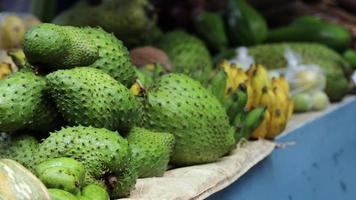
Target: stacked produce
90, 108
72, 93
260, 92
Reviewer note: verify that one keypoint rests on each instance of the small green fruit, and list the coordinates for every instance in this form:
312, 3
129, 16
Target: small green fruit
320, 100
302, 102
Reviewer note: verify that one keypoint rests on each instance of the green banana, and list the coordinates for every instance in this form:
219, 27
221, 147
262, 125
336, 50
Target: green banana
62, 173
217, 85
235, 110
252, 121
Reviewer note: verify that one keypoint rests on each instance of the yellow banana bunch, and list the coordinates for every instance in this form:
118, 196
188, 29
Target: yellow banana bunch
277, 123
12, 32
235, 76
261, 92
274, 94
259, 79
5, 69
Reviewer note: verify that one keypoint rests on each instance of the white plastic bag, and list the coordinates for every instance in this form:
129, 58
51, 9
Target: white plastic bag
308, 78
243, 59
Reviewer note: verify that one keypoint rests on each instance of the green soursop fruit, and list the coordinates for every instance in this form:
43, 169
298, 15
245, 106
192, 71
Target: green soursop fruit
54, 47
23, 103
59, 47
105, 155
150, 150
93, 192
22, 149
58, 194
61, 173
188, 54
180, 105
88, 96
129, 20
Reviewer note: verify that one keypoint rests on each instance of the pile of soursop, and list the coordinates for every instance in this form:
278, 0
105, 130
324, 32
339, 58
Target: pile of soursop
80, 117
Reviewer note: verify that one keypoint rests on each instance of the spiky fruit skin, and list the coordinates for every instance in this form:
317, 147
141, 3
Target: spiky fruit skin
128, 20
21, 149
89, 96
114, 57
182, 106
102, 152
62, 173
188, 54
58, 194
23, 104
272, 56
150, 150
58, 47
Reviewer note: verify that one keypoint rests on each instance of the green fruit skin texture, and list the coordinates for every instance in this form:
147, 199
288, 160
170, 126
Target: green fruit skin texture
210, 27
350, 57
62, 173
100, 151
60, 47
246, 26
21, 149
182, 106
114, 57
94, 192
23, 104
188, 54
151, 151
313, 29
334, 66
57, 194
88, 96
302, 102
128, 20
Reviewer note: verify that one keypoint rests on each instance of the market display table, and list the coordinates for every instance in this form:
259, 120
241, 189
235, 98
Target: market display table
318, 161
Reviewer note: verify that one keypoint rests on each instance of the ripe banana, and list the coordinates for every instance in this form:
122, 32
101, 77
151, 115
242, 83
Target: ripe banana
259, 79
12, 30
282, 82
268, 99
262, 130
281, 99
277, 123
290, 108
5, 69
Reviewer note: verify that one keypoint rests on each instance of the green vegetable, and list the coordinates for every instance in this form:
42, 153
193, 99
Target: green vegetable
245, 25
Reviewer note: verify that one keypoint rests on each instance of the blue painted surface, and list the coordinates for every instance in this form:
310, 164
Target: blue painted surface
322, 164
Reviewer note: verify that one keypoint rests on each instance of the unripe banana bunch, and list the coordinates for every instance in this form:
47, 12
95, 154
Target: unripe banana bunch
13, 28
65, 179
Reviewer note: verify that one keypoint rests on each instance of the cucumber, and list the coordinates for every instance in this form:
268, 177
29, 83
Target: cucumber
210, 27
245, 25
312, 29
